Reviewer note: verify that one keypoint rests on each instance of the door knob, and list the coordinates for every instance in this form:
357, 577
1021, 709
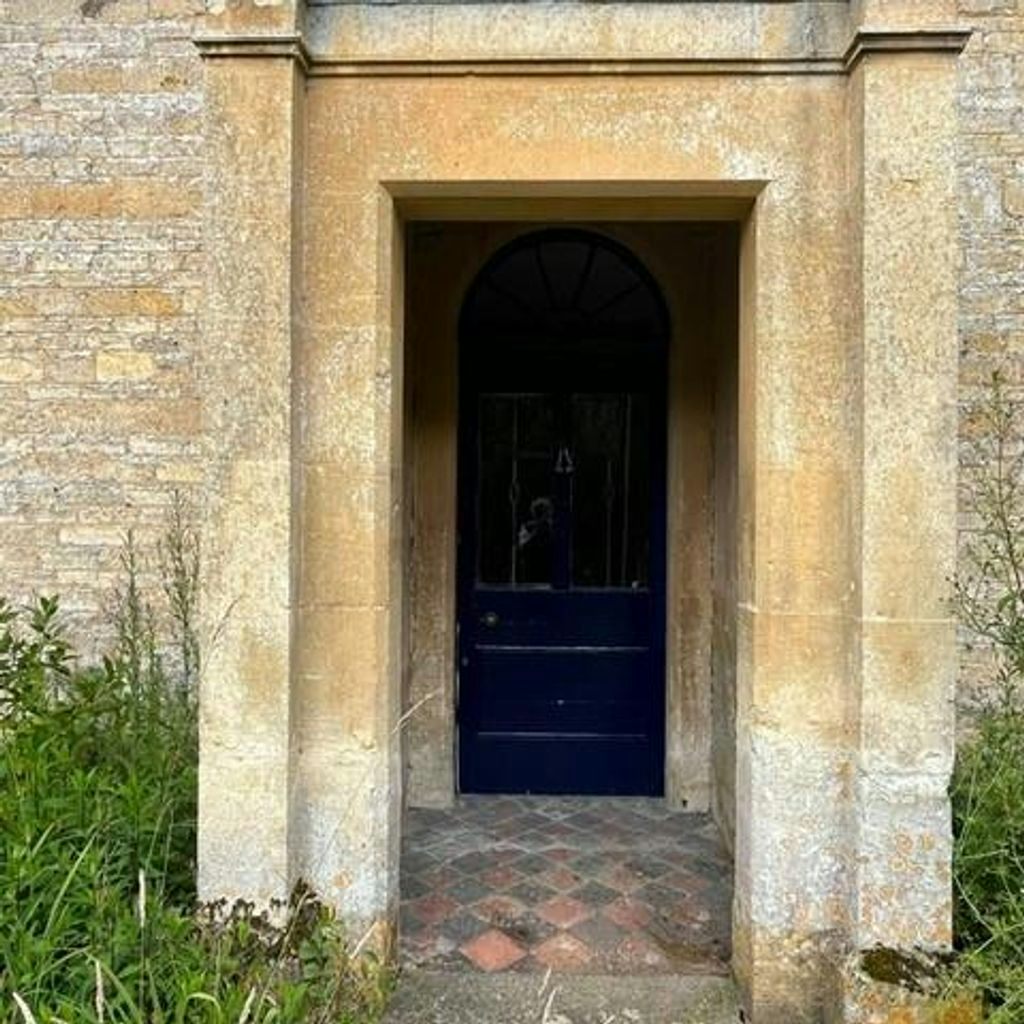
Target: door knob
489, 619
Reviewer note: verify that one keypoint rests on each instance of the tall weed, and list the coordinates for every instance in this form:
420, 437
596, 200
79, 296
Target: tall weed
987, 789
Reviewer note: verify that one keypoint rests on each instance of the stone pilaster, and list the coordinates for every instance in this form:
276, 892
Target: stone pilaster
904, 123
254, 151
796, 464
349, 669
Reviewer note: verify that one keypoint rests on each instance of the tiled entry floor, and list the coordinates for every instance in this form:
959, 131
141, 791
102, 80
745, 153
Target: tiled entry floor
585, 885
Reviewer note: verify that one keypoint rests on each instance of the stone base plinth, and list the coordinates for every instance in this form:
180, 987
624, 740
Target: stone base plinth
885, 986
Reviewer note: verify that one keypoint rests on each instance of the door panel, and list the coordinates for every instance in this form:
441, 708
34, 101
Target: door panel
597, 688
575, 764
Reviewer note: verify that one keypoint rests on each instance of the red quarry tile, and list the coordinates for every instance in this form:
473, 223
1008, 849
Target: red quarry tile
612, 886
685, 882
492, 951
439, 877
564, 952
511, 828
628, 914
560, 877
501, 877
431, 909
563, 911
622, 878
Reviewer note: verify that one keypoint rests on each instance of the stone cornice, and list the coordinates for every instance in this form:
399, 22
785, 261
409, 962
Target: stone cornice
901, 41
289, 46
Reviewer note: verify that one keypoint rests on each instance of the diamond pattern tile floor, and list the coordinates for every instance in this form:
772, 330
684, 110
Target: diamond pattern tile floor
574, 884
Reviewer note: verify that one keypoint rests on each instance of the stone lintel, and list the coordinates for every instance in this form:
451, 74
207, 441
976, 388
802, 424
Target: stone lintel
582, 65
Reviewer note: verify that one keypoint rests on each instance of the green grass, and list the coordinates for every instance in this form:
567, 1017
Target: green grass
988, 865
98, 913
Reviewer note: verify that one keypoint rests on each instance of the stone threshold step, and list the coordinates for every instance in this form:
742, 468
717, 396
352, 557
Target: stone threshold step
440, 997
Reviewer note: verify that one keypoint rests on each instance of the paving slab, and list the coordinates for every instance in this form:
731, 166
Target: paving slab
452, 997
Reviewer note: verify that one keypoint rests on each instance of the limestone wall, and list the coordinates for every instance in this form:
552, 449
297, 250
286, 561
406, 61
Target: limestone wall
101, 166
991, 225
100, 270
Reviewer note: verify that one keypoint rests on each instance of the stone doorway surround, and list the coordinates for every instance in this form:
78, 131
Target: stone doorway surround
826, 130
694, 266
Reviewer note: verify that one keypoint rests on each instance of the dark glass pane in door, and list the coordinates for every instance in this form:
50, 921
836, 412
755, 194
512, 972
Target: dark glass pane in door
610, 437
494, 509
515, 509
639, 475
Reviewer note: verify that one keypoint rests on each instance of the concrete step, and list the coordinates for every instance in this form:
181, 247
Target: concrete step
458, 997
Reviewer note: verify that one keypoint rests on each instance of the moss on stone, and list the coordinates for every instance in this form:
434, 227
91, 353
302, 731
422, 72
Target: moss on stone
911, 971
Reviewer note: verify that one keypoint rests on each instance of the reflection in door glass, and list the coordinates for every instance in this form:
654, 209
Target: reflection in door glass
515, 508
610, 441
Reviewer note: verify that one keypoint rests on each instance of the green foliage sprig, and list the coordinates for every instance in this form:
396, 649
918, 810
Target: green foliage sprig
989, 589
987, 789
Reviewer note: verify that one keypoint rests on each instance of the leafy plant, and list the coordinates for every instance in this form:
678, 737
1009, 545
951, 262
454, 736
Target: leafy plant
98, 914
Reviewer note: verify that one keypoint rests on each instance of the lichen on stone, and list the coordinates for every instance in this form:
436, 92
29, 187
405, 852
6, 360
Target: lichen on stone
91, 8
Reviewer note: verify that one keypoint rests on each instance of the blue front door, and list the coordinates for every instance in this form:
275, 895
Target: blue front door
561, 525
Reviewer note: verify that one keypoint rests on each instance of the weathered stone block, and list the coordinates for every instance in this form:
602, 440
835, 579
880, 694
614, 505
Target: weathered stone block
1013, 197
19, 369
128, 199
124, 365
132, 302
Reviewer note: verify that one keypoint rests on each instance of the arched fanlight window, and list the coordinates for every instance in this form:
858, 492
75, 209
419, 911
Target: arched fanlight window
565, 287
